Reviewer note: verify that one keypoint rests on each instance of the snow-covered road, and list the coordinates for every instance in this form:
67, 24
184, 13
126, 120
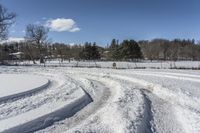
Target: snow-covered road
105, 100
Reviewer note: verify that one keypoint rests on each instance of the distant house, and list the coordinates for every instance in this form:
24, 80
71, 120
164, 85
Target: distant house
16, 56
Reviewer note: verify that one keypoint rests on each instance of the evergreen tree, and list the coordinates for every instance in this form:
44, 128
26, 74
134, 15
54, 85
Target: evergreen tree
131, 50
90, 52
86, 53
95, 52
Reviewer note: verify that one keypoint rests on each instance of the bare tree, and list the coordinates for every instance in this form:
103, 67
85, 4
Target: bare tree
6, 19
36, 35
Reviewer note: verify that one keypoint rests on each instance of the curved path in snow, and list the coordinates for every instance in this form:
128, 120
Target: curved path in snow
106, 100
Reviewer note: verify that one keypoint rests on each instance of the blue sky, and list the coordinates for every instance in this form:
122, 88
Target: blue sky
78, 21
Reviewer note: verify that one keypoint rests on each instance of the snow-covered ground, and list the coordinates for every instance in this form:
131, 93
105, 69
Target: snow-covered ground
14, 84
105, 100
121, 65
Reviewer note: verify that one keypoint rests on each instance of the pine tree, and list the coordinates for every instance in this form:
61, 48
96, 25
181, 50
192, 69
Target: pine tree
131, 50
95, 52
90, 52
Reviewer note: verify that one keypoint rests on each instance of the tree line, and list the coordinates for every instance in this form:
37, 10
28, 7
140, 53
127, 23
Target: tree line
177, 49
127, 50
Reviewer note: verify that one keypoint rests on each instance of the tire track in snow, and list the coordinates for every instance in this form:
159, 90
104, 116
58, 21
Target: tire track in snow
92, 87
41, 122
58, 90
147, 124
156, 98
124, 108
7, 112
149, 87
170, 97
148, 101
50, 119
188, 106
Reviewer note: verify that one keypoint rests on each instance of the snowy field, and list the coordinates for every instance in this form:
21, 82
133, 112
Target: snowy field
121, 65
101, 100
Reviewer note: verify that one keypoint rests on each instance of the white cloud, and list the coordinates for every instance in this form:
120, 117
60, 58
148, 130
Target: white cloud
62, 24
75, 29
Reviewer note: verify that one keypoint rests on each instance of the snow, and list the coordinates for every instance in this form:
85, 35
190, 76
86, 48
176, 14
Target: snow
105, 100
120, 65
43, 115
13, 84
